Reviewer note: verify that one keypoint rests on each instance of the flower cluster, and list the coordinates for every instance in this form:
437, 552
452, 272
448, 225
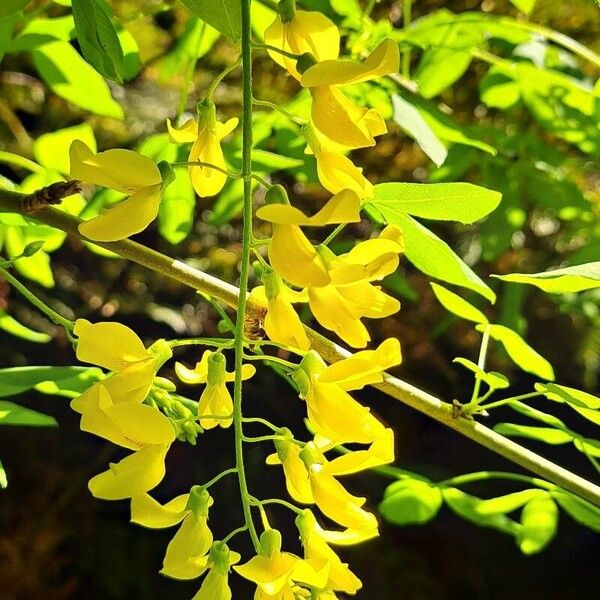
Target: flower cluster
136, 409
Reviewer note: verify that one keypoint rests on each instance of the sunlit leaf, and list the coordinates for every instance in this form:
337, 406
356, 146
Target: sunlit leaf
508, 503
16, 380
521, 353
9, 7
538, 415
539, 520
410, 502
456, 305
525, 6
560, 281
563, 393
12, 326
410, 120
495, 381
580, 510
13, 414
3, 477
548, 435
462, 202
71, 78
223, 15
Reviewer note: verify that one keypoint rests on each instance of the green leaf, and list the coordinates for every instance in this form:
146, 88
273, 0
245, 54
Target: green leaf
223, 15
12, 326
410, 120
508, 503
36, 267
539, 520
495, 381
433, 256
51, 150
40, 32
13, 414
3, 477
71, 78
462, 202
588, 446
521, 353
525, 6
498, 90
538, 415
563, 393
16, 380
548, 435
9, 7
560, 281
456, 305
410, 502
469, 508
580, 510
98, 38
72, 386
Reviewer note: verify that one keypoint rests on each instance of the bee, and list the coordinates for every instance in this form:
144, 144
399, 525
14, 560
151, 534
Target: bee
253, 323
51, 194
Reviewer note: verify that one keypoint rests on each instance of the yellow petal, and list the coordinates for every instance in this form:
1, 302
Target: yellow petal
125, 218
224, 129
214, 587
187, 553
147, 512
385, 59
337, 172
206, 180
308, 32
132, 384
215, 400
344, 207
340, 506
381, 452
141, 424
188, 132
248, 371
332, 311
363, 368
271, 574
282, 324
295, 258
366, 300
339, 118
122, 170
134, 475
338, 417
124, 348
348, 537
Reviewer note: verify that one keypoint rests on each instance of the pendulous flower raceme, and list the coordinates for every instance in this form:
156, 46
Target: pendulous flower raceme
138, 410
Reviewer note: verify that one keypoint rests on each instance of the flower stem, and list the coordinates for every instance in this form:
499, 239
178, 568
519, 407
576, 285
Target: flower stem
219, 476
485, 340
217, 80
43, 307
199, 163
245, 266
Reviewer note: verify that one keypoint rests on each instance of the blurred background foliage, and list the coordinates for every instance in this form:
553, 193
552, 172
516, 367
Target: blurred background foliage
516, 111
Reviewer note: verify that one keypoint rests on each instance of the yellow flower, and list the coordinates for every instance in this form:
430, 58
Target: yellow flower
281, 322
134, 475
335, 115
275, 572
290, 252
127, 172
187, 553
336, 172
318, 554
340, 306
216, 586
215, 400
306, 32
147, 512
206, 135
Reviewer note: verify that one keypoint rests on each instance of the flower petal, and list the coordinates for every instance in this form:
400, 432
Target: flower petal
385, 59
188, 132
146, 511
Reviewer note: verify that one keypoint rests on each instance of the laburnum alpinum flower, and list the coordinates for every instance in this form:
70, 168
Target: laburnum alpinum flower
290, 252
332, 112
216, 583
216, 405
206, 135
281, 322
127, 172
113, 409
277, 573
300, 32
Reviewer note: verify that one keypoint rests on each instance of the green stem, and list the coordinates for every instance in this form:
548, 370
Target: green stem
511, 399
200, 163
245, 266
275, 49
219, 476
262, 422
257, 502
42, 306
273, 359
298, 120
272, 438
481, 364
218, 342
334, 234
235, 532
20, 161
406, 19
189, 73
217, 80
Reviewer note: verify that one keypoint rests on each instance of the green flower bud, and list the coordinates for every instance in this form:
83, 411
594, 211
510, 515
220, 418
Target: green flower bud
286, 10
164, 384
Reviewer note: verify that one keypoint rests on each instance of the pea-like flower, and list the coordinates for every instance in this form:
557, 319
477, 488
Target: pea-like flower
332, 112
206, 135
276, 572
304, 32
281, 322
216, 405
127, 172
216, 583
318, 554
290, 253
